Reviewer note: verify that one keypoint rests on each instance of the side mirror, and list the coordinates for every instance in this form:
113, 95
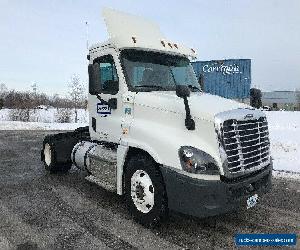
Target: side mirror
182, 91
113, 103
94, 79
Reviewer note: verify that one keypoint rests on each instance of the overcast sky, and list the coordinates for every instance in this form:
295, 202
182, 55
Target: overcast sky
45, 41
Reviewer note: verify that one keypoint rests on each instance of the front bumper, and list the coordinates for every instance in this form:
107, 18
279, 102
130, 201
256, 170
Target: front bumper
203, 198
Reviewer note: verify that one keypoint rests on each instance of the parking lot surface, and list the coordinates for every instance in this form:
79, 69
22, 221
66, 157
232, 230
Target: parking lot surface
39, 210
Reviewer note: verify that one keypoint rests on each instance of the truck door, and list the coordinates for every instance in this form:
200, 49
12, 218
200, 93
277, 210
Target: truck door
108, 118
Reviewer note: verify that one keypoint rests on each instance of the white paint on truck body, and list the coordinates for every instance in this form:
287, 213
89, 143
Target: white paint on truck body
153, 121
129, 31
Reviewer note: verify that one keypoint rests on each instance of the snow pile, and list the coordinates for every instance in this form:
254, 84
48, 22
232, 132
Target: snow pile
286, 174
4, 114
43, 119
47, 115
284, 130
284, 127
17, 125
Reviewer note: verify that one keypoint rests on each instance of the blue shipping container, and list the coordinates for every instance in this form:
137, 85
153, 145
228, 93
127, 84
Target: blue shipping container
228, 78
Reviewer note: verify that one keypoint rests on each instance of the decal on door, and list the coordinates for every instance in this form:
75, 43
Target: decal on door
103, 109
128, 111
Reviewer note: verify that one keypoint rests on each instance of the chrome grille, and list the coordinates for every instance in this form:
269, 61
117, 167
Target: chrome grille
246, 143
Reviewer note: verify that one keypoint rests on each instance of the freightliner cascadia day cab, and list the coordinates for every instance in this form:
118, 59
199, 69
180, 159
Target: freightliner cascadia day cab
155, 137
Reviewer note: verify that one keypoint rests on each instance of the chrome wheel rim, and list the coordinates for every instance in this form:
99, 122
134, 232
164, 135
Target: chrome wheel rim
142, 191
47, 154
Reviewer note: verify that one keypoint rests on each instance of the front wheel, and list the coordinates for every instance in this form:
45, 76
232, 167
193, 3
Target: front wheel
145, 192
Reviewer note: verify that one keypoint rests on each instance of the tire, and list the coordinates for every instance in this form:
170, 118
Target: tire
145, 193
49, 158
82, 129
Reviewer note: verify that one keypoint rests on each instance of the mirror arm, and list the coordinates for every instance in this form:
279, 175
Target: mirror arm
101, 100
189, 122
112, 103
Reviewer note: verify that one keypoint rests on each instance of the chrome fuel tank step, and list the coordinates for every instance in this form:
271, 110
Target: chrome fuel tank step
99, 161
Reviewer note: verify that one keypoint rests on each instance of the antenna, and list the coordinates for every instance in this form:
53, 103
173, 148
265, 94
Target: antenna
87, 35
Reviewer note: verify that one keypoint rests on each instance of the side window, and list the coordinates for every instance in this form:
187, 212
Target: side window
108, 74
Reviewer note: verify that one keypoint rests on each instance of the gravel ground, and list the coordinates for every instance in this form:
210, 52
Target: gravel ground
43, 211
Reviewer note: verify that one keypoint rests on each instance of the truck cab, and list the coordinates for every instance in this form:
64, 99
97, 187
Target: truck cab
155, 137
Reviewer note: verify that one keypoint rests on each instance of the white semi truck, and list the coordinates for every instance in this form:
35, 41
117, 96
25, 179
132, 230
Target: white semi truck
155, 137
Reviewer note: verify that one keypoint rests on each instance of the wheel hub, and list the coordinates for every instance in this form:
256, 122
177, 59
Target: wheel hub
142, 191
139, 192
47, 154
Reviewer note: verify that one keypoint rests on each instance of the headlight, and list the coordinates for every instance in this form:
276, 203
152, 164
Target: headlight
196, 161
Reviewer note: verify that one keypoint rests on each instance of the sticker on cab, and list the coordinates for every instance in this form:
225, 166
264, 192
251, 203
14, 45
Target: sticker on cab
128, 111
103, 109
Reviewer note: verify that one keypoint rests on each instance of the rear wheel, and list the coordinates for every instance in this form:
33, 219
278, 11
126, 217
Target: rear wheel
144, 191
47, 155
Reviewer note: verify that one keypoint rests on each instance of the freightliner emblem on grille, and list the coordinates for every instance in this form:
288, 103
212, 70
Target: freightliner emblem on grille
248, 116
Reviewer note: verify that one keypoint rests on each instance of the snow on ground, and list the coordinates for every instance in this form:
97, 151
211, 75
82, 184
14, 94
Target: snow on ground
46, 115
17, 125
42, 119
286, 174
284, 130
284, 127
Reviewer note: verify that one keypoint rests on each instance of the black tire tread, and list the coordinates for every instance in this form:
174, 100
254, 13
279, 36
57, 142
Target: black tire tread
54, 166
160, 210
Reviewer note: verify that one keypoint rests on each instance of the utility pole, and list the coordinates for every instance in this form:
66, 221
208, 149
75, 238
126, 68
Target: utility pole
34, 87
87, 49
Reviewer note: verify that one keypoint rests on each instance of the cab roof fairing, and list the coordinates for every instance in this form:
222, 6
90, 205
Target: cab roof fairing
146, 47
137, 33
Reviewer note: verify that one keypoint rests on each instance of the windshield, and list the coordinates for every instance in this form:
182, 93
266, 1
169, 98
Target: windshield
148, 71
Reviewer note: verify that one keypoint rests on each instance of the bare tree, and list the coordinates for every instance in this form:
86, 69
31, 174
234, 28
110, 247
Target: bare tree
3, 93
298, 98
3, 88
255, 98
77, 91
63, 115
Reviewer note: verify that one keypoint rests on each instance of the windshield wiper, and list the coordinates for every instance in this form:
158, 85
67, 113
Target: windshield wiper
192, 87
157, 87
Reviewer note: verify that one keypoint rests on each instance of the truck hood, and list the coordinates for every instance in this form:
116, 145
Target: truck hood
202, 105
